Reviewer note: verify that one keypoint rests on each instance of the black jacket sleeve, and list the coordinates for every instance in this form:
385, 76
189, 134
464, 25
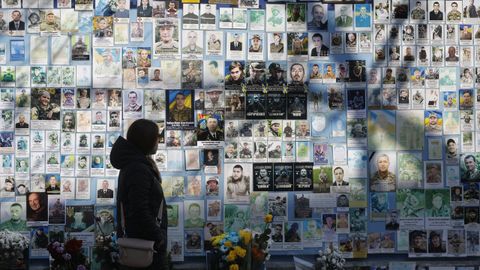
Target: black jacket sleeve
143, 196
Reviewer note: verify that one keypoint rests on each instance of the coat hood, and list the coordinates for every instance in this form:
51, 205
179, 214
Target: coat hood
123, 153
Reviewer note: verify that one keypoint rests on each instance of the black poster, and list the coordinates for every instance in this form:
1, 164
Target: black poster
303, 176
276, 105
283, 173
297, 106
256, 105
263, 177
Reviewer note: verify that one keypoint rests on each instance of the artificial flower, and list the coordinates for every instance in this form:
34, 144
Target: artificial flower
216, 240
240, 251
223, 248
231, 256
246, 236
268, 218
228, 244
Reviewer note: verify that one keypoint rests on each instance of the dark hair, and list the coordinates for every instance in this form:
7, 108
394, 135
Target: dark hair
470, 156
450, 141
238, 167
16, 204
213, 63
317, 35
143, 134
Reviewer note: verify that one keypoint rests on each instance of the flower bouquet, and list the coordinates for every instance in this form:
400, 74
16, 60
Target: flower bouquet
106, 252
106, 249
12, 247
237, 251
330, 259
68, 256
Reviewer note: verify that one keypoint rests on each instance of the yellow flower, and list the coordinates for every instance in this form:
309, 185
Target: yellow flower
268, 218
240, 251
216, 241
234, 267
228, 244
232, 256
246, 236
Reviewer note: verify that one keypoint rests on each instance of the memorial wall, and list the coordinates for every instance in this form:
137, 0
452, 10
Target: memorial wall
351, 123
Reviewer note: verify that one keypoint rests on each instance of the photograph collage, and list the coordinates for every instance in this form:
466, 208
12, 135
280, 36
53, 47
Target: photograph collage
358, 126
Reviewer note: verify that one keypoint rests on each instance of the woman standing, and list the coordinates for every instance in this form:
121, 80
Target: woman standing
139, 188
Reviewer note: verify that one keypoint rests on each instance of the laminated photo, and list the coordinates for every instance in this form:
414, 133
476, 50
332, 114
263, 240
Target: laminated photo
193, 241
381, 138
239, 18
411, 204
383, 171
226, 20
166, 38
343, 17
257, 19
410, 170
192, 44
236, 217
208, 16
277, 205
190, 16
263, 177
238, 186
236, 45
214, 43
275, 17
437, 202
322, 179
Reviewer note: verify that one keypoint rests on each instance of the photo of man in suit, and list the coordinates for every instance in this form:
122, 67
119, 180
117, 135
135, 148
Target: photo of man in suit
105, 192
436, 14
236, 45
16, 24
344, 20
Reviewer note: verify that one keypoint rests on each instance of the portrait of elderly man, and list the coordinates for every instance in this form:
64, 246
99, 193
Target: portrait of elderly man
21, 122
105, 192
37, 206
167, 42
344, 20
